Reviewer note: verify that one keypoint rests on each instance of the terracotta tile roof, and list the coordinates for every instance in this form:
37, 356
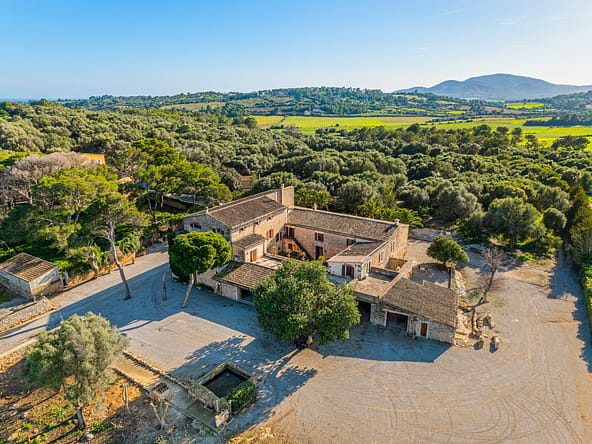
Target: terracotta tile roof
244, 211
248, 241
429, 301
344, 224
361, 249
246, 275
26, 267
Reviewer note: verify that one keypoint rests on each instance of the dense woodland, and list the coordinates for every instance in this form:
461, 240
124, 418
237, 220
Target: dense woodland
339, 102
299, 101
480, 182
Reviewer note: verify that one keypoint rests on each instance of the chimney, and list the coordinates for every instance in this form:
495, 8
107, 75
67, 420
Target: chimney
396, 221
314, 207
207, 210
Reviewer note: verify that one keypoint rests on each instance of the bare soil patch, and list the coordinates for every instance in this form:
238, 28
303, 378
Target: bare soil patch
41, 415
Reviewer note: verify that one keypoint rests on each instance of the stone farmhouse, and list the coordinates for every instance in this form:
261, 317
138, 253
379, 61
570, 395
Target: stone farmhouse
369, 254
28, 276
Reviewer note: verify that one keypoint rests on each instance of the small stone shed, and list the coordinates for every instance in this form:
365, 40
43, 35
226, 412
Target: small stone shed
28, 276
425, 310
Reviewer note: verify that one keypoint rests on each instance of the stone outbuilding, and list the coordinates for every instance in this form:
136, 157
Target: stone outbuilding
29, 276
424, 310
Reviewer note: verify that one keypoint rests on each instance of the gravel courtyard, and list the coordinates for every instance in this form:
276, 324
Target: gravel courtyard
378, 386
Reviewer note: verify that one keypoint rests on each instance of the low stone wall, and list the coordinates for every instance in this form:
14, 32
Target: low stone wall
26, 313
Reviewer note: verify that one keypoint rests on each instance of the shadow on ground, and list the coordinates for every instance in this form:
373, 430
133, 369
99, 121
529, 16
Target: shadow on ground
278, 374
565, 282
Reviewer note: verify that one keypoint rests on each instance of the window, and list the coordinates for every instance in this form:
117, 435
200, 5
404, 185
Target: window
349, 242
270, 234
277, 236
196, 226
290, 232
381, 257
319, 237
393, 245
347, 270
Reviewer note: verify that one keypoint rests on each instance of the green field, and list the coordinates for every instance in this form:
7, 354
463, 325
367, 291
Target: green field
527, 105
267, 121
308, 124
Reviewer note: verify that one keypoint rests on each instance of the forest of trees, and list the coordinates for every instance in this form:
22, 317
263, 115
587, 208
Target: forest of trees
480, 181
295, 101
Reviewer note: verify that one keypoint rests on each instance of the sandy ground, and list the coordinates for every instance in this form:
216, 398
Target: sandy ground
378, 386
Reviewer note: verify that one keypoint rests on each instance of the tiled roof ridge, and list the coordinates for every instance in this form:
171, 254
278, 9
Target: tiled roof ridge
242, 200
27, 258
352, 216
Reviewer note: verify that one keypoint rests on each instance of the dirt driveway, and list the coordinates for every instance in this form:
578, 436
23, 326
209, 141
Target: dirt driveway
381, 387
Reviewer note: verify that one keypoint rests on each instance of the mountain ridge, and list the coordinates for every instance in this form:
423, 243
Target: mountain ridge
499, 86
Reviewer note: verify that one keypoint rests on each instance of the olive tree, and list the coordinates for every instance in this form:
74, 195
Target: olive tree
75, 358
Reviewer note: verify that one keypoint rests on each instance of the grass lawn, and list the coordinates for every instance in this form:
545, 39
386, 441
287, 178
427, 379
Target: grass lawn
267, 121
527, 105
308, 124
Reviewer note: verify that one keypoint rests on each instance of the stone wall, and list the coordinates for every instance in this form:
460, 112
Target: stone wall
401, 238
262, 227
205, 222
46, 284
377, 315
14, 287
283, 195
242, 255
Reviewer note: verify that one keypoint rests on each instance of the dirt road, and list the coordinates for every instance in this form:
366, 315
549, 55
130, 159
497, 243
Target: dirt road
379, 386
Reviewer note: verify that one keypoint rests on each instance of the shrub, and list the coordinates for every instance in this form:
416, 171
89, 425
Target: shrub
242, 396
98, 427
586, 277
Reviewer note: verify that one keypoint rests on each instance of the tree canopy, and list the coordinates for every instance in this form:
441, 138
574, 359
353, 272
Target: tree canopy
197, 252
444, 249
76, 358
299, 301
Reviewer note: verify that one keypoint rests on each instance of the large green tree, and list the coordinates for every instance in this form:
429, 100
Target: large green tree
514, 218
75, 358
299, 301
197, 252
444, 249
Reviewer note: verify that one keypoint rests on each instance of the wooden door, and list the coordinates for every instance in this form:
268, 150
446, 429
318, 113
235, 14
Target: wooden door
423, 329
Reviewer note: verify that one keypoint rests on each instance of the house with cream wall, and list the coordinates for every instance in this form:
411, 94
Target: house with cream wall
369, 254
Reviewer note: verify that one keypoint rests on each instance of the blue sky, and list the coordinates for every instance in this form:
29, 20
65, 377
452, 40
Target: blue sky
80, 48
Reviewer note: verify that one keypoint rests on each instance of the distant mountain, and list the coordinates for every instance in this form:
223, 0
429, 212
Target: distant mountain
499, 87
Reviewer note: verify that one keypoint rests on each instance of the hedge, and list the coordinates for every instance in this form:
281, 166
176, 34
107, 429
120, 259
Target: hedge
586, 277
242, 396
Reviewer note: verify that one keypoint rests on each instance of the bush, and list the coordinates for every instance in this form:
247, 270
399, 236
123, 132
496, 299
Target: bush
242, 396
586, 277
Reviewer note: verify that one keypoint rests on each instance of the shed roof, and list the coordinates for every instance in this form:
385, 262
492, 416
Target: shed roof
344, 224
249, 241
429, 301
26, 267
357, 251
246, 275
244, 211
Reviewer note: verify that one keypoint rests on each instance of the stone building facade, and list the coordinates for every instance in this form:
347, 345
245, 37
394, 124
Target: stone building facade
367, 253
28, 276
